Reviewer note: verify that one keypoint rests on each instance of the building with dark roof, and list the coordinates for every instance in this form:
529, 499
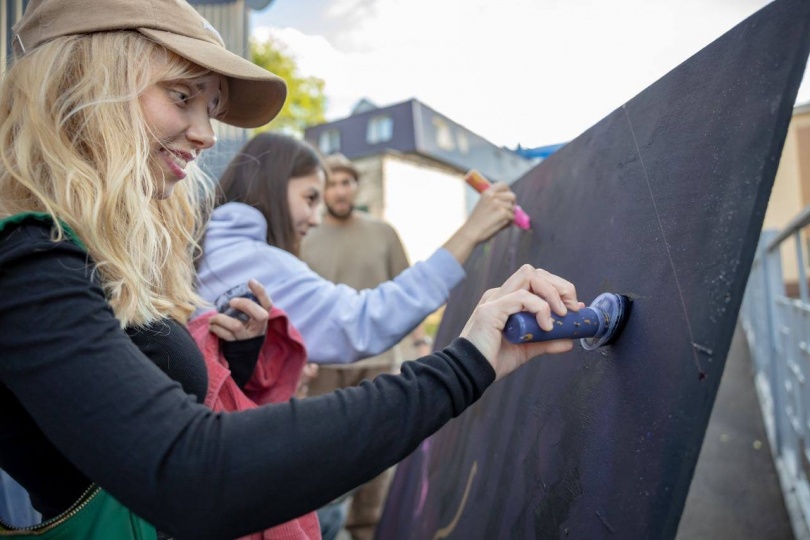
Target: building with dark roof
412, 161
413, 128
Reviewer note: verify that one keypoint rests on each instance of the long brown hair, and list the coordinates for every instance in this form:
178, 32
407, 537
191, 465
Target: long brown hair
259, 175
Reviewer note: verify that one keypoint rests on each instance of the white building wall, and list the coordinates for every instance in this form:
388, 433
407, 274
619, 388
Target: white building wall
789, 195
425, 204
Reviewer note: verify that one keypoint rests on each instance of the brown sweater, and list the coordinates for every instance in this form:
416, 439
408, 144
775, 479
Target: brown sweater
361, 253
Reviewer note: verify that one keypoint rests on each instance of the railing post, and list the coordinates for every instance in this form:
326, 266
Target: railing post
802, 272
773, 288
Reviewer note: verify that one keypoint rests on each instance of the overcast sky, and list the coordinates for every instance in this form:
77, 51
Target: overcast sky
534, 72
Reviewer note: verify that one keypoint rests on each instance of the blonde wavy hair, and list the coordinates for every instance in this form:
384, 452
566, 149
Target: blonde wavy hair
75, 145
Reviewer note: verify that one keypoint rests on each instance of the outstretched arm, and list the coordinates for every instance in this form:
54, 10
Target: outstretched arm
131, 429
339, 324
494, 211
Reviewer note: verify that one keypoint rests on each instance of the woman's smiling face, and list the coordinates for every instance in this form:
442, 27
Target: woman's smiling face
304, 198
178, 114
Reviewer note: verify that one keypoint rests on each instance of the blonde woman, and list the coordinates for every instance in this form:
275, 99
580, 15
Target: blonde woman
102, 115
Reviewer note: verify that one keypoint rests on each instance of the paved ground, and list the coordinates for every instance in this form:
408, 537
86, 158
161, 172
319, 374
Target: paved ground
735, 490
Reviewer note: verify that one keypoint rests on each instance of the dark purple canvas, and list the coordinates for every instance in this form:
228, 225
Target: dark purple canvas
662, 200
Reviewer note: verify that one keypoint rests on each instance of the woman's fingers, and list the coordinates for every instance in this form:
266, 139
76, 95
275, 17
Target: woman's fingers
494, 210
501, 197
310, 371
220, 326
502, 202
529, 289
545, 289
539, 306
230, 328
487, 295
257, 313
566, 291
559, 293
258, 289
502, 192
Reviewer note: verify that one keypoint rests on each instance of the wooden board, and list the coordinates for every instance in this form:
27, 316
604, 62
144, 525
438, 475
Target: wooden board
662, 200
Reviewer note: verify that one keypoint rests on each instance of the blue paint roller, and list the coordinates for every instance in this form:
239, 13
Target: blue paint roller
597, 325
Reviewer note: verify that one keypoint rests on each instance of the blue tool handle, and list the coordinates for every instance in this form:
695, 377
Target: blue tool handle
523, 328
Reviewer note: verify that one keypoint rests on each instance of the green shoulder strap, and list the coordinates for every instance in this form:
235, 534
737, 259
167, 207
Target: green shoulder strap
44, 217
97, 515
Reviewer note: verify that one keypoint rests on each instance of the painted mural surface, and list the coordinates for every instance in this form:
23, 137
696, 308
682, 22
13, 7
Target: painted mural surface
662, 200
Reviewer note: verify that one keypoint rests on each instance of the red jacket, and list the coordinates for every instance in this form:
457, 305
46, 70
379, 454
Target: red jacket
275, 379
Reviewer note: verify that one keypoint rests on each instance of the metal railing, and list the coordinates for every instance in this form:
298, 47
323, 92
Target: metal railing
775, 316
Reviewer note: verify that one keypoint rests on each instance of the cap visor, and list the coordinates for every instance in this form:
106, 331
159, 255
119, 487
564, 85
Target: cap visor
255, 95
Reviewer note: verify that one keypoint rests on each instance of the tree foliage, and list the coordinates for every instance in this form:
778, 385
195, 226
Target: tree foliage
306, 102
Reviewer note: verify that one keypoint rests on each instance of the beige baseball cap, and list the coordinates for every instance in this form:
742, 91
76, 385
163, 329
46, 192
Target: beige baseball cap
255, 95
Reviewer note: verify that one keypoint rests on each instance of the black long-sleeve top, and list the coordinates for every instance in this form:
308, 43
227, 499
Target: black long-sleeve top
77, 398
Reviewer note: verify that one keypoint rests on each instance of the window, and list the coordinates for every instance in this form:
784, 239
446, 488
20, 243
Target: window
463, 142
444, 135
329, 141
380, 129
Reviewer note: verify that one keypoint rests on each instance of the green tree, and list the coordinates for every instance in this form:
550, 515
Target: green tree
306, 102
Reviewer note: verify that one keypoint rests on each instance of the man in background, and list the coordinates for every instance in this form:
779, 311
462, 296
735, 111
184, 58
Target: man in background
357, 249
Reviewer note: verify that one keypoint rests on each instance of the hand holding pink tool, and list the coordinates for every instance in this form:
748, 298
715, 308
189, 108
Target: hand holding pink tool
479, 183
